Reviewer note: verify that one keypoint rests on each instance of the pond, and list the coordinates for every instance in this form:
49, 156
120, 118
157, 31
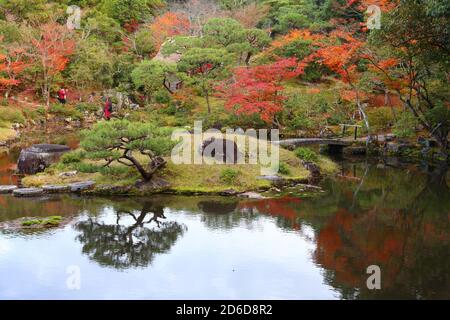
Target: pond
174, 247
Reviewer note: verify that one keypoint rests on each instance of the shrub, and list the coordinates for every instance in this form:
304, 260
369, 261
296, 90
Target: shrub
284, 169
65, 111
306, 154
405, 126
162, 96
73, 156
89, 107
381, 118
229, 176
11, 115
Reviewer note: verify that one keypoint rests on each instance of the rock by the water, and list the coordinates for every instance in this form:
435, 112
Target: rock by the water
28, 192
55, 188
252, 195
38, 157
81, 186
228, 193
7, 188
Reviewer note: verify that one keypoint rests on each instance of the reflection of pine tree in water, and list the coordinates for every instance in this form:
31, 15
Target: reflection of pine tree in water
121, 246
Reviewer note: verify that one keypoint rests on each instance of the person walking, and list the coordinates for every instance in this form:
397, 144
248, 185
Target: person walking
62, 95
107, 109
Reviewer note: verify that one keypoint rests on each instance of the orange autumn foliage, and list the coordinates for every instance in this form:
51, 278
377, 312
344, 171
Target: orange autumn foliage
168, 25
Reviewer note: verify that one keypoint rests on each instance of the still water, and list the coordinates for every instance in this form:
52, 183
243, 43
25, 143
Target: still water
294, 247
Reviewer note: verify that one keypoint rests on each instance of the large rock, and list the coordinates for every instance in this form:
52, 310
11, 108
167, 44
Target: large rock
38, 157
222, 150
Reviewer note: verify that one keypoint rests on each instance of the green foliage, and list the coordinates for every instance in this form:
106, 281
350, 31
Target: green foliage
10, 32
149, 76
223, 32
405, 126
92, 65
26, 10
439, 116
117, 140
130, 10
101, 27
297, 14
204, 66
180, 44
144, 42
284, 169
73, 156
10, 115
305, 111
229, 176
87, 107
381, 118
306, 154
65, 110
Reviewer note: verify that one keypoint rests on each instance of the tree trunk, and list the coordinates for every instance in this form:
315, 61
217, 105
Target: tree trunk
207, 101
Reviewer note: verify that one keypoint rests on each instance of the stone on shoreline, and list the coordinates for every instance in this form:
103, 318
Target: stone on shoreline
252, 195
7, 188
50, 188
28, 192
81, 186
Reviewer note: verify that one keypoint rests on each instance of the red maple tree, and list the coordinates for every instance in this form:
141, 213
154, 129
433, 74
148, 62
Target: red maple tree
258, 89
51, 51
12, 64
168, 25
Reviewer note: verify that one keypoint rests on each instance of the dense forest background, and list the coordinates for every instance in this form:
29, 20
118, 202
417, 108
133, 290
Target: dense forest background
304, 66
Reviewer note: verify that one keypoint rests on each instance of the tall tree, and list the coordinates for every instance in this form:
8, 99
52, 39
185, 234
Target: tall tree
51, 51
203, 67
414, 62
168, 25
12, 64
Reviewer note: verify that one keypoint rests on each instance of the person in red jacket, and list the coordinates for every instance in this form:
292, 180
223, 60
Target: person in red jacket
62, 95
107, 109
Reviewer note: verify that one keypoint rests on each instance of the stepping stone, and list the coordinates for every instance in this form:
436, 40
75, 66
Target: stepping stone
28, 192
50, 188
81, 186
7, 188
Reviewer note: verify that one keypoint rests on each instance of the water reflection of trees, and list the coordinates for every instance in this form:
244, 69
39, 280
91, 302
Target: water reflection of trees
398, 220
123, 245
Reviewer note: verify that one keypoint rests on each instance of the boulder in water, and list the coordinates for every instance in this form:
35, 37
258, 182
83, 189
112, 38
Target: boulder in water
38, 157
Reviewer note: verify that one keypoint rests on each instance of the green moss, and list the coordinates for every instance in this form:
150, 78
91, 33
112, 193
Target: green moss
31, 222
49, 221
